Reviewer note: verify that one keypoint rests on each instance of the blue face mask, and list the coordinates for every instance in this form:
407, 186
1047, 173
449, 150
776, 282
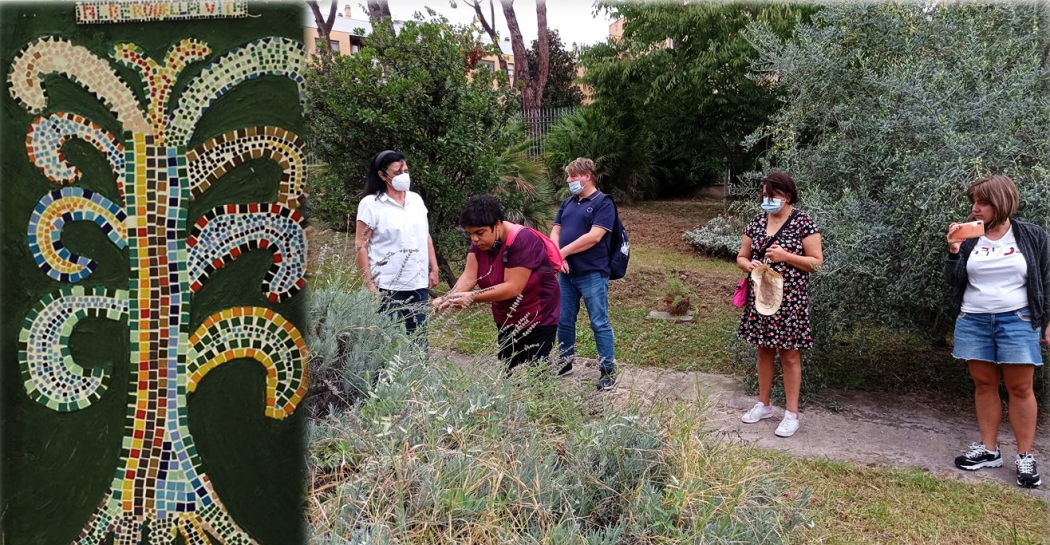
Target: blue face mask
772, 205
575, 187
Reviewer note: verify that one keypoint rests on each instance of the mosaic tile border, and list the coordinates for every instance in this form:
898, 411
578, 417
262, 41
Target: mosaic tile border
50, 216
272, 56
47, 135
49, 374
256, 333
224, 233
51, 55
214, 158
160, 78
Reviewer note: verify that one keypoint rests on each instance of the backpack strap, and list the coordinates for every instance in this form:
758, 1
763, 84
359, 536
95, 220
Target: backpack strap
511, 235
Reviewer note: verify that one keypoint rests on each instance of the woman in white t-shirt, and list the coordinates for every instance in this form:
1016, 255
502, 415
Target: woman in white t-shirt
1000, 286
395, 252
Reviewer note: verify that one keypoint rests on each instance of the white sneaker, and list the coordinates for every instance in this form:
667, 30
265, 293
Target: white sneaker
758, 412
788, 426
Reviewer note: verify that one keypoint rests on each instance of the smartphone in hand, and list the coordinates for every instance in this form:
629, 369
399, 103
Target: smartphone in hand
972, 229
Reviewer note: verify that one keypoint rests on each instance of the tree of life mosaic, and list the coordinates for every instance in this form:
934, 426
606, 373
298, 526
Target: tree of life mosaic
159, 488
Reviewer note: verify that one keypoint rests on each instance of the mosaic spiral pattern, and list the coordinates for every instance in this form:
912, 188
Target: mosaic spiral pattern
49, 374
263, 57
223, 234
50, 55
213, 159
51, 215
256, 333
160, 78
47, 135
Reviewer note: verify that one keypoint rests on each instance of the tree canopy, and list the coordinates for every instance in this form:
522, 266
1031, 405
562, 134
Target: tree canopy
561, 90
679, 80
410, 91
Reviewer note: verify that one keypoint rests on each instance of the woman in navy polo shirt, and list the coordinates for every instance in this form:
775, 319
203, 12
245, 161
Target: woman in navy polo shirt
511, 266
393, 243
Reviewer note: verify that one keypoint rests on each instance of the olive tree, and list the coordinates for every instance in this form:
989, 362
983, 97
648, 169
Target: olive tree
890, 111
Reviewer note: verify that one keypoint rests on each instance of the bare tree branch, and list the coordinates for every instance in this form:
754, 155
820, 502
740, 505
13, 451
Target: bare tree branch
489, 26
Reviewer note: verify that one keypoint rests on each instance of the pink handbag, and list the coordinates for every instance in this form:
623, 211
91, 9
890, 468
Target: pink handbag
740, 295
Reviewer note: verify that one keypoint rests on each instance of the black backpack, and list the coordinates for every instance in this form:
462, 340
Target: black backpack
620, 247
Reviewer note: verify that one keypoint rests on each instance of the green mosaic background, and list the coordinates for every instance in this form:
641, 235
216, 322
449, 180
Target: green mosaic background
57, 466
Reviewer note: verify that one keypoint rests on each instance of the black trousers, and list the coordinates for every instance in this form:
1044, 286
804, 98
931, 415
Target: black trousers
518, 346
409, 308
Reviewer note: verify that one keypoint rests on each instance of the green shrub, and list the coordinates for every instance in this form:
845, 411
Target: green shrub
720, 238
892, 109
410, 91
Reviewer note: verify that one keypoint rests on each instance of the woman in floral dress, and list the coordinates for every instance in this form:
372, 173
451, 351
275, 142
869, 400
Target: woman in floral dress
788, 241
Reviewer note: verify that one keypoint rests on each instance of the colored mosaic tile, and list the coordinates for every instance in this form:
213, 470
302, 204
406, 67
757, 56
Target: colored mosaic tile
256, 333
133, 11
159, 78
51, 215
266, 56
47, 135
158, 486
214, 158
49, 374
51, 55
224, 233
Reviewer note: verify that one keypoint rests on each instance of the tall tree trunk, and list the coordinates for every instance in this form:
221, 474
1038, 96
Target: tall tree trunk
522, 77
378, 9
446, 270
324, 27
543, 53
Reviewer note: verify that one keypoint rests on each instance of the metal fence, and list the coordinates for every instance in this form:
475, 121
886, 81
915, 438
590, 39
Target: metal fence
539, 122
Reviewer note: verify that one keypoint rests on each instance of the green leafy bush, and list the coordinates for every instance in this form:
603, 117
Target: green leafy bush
625, 164
410, 91
720, 238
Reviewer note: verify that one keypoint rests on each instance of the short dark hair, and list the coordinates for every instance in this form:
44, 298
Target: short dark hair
481, 211
780, 182
374, 185
998, 191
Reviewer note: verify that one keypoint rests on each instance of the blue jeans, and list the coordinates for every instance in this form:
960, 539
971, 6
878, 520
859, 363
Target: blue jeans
594, 289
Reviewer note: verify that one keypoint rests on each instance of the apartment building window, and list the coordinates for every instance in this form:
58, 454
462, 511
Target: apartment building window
487, 65
334, 44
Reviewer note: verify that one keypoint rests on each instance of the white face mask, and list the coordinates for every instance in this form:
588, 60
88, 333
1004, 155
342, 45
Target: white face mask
401, 182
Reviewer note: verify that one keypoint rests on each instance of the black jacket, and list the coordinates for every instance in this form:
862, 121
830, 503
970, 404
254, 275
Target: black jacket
1035, 247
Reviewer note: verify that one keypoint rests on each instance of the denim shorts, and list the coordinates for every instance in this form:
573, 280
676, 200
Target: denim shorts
1004, 337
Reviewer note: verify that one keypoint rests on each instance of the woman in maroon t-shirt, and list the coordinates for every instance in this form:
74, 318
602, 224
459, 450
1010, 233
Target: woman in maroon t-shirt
516, 278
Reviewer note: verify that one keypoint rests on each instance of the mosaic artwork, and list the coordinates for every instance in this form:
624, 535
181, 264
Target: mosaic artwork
159, 487
124, 12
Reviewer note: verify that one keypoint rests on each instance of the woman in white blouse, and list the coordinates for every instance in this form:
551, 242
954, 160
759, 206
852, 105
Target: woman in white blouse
395, 252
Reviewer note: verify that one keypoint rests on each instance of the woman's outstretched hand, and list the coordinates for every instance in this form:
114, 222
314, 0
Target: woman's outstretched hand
953, 244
